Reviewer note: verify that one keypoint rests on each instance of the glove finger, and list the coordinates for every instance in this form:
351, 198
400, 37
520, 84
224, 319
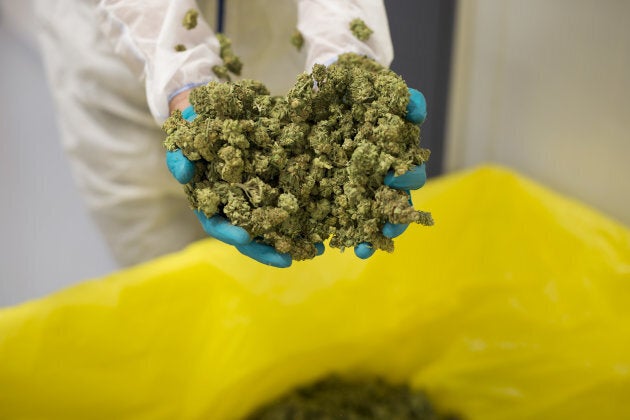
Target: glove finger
189, 113
181, 168
392, 230
417, 107
364, 250
319, 246
410, 180
265, 254
220, 228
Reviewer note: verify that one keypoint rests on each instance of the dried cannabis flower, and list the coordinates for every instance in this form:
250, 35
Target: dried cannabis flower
337, 398
360, 29
231, 63
221, 72
297, 40
180, 47
298, 169
190, 19
230, 60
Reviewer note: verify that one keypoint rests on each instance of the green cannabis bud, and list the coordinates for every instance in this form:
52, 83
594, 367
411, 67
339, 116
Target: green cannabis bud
180, 47
230, 60
335, 398
297, 40
190, 19
360, 29
221, 72
298, 169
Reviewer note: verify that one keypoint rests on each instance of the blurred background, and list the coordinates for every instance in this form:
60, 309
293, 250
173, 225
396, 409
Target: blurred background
48, 240
542, 87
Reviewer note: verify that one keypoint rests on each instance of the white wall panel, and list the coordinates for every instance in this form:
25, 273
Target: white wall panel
544, 87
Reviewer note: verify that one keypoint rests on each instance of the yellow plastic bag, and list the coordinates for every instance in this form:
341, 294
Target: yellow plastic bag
515, 305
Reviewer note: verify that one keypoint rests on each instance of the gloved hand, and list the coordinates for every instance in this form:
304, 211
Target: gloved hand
412, 180
218, 226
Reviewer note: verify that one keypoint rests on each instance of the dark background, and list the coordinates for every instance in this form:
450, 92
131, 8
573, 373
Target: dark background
422, 33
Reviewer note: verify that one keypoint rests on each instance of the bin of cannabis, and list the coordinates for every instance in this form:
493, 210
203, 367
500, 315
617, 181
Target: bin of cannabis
337, 398
297, 169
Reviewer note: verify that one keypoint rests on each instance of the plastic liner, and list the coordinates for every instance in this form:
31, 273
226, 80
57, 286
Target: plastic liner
515, 305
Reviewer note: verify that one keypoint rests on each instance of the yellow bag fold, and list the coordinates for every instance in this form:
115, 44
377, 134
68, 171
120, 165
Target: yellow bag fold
515, 305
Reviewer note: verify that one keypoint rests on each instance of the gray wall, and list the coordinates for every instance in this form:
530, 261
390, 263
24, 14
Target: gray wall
422, 33
47, 240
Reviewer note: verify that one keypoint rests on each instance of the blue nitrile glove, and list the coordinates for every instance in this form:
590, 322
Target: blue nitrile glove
218, 226
411, 180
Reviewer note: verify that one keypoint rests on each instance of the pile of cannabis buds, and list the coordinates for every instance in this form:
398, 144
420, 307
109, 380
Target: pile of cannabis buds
295, 170
338, 398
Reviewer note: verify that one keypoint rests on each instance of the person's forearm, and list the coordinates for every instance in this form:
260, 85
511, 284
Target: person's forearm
179, 101
145, 33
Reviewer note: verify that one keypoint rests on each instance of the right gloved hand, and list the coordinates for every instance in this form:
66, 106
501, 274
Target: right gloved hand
218, 226
411, 180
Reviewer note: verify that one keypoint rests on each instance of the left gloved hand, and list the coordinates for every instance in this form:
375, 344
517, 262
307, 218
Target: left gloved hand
218, 226
412, 180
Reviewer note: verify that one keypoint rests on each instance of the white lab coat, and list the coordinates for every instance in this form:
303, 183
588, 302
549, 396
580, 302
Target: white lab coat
113, 68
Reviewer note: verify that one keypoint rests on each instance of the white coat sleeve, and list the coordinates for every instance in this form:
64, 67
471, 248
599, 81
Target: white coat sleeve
325, 26
145, 33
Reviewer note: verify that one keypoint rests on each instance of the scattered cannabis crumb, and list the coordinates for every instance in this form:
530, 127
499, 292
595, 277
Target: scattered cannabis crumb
360, 29
335, 398
298, 169
221, 72
230, 60
231, 63
190, 19
180, 47
297, 40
